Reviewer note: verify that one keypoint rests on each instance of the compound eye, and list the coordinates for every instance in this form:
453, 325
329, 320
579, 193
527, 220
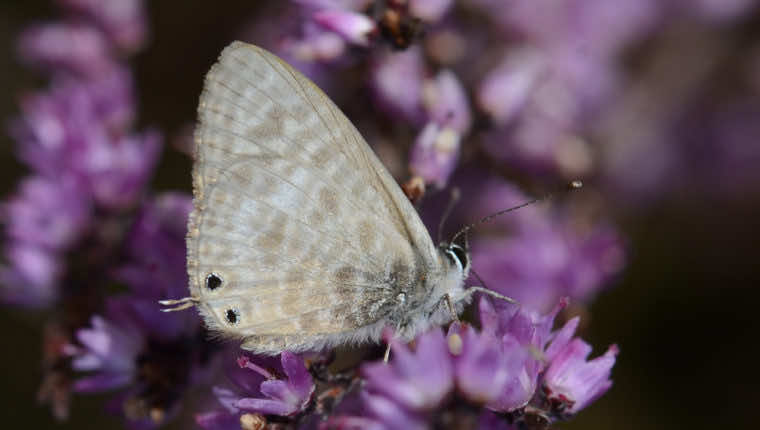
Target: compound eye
460, 255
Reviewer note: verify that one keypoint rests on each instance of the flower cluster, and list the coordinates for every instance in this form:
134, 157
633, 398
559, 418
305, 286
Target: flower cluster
86, 163
514, 369
267, 388
83, 219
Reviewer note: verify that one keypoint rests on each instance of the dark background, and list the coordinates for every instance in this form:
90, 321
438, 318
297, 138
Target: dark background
683, 312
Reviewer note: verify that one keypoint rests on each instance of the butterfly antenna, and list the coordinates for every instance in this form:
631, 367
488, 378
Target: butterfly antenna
574, 185
455, 195
180, 304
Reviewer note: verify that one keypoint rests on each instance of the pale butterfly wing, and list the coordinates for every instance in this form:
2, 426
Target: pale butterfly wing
298, 232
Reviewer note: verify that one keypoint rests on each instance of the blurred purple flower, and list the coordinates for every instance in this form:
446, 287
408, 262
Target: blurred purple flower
327, 27
42, 222
355, 5
110, 350
30, 276
124, 21
563, 71
154, 264
79, 129
588, 26
489, 420
418, 380
263, 386
506, 89
52, 214
61, 46
540, 108
383, 413
352, 26
118, 173
436, 150
445, 102
317, 45
537, 265
434, 154
397, 81
429, 10
155, 248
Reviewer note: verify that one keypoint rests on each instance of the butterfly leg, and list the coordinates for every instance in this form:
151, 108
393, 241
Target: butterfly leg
387, 354
450, 306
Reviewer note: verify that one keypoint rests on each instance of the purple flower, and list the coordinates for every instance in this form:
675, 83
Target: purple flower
435, 154
383, 414
79, 129
523, 336
42, 222
262, 387
539, 106
109, 349
316, 45
491, 421
499, 367
420, 379
507, 88
283, 397
52, 214
553, 82
397, 80
31, 275
72, 47
571, 382
485, 366
124, 21
429, 10
588, 26
436, 150
352, 26
445, 102
118, 172
155, 248
127, 348
154, 264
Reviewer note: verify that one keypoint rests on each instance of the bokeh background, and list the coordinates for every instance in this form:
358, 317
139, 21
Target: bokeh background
684, 309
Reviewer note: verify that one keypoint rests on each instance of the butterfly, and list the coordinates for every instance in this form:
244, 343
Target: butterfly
299, 238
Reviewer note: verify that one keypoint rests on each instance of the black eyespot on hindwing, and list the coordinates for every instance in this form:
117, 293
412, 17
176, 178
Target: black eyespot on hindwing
232, 316
213, 281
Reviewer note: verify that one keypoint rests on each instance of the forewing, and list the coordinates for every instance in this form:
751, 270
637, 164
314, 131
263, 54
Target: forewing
292, 210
